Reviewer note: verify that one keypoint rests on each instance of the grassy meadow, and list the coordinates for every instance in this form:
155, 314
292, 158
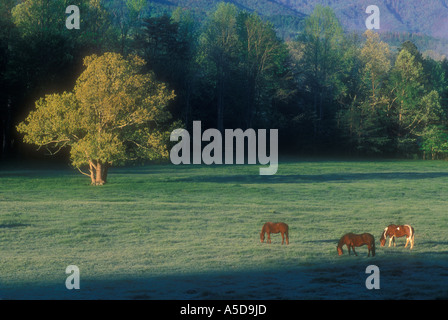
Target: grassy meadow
192, 232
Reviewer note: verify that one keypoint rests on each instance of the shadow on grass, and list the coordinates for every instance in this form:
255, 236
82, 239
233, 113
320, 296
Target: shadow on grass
437, 243
13, 225
414, 277
208, 286
335, 241
204, 173
343, 177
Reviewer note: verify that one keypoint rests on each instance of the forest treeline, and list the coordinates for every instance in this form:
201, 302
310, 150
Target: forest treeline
327, 91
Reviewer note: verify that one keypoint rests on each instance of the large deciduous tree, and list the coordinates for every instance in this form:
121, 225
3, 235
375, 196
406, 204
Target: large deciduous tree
7, 34
262, 61
365, 119
416, 107
322, 64
218, 47
114, 114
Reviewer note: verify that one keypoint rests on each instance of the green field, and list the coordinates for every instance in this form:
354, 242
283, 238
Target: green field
192, 232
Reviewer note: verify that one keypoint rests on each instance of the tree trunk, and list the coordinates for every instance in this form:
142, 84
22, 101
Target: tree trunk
104, 173
220, 102
92, 172
250, 101
220, 86
187, 103
6, 143
98, 172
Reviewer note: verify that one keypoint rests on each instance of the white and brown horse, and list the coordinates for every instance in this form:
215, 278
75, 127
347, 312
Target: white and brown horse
396, 231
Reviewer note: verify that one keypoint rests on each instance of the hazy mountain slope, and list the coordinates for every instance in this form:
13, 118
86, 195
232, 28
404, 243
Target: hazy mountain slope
263, 7
285, 18
429, 17
424, 22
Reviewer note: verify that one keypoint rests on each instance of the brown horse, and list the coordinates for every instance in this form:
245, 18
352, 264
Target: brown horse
396, 231
270, 227
352, 240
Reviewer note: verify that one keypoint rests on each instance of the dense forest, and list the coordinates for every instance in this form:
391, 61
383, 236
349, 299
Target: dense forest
329, 92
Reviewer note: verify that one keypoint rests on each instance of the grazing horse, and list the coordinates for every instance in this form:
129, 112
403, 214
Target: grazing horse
270, 227
352, 240
397, 231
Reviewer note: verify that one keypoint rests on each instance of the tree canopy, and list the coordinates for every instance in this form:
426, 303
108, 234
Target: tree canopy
114, 114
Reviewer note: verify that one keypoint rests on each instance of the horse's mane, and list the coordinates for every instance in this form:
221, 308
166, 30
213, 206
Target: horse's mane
341, 242
383, 235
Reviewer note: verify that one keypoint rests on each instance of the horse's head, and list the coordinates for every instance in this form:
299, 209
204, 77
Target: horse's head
262, 237
383, 238
340, 252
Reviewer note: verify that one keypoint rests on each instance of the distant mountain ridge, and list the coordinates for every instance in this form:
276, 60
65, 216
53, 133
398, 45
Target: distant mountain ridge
424, 22
429, 17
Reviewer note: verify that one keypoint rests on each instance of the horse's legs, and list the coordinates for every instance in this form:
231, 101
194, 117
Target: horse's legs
287, 237
269, 237
283, 237
410, 240
390, 240
353, 248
